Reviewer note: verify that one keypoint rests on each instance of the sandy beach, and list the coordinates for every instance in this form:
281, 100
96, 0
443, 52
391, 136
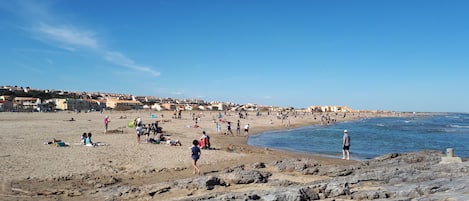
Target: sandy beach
33, 170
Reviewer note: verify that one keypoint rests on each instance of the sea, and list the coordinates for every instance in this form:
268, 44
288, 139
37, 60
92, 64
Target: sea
372, 137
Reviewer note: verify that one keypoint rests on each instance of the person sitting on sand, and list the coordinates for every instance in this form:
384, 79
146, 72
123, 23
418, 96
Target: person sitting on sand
57, 143
146, 131
88, 141
83, 138
174, 142
53, 141
204, 141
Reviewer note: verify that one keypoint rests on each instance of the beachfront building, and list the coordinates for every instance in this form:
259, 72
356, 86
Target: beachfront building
218, 106
26, 103
329, 109
60, 103
188, 107
124, 104
6, 106
3, 98
77, 105
156, 107
168, 106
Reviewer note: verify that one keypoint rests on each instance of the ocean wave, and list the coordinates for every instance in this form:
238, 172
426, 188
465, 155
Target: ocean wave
380, 125
458, 126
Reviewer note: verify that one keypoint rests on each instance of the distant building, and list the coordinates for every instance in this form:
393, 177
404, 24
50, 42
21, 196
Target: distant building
6, 106
329, 109
218, 106
124, 104
26, 103
168, 106
76, 104
156, 107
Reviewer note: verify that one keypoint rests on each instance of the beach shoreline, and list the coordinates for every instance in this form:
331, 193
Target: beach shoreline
32, 166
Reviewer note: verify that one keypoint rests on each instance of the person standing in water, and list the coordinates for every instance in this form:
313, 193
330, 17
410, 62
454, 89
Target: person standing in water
346, 146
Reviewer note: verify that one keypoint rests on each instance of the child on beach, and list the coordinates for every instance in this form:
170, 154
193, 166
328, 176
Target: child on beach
83, 138
88, 141
106, 122
195, 151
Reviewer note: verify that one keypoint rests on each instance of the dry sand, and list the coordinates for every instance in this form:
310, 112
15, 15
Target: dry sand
29, 168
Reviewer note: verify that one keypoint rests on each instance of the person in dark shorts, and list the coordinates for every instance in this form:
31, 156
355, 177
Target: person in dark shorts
195, 156
346, 146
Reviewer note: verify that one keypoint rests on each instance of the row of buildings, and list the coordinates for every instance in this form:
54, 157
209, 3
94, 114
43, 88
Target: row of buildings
35, 104
19, 99
21, 104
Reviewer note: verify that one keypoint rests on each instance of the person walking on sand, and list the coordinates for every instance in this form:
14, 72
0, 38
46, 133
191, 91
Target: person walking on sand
346, 146
238, 128
228, 129
139, 131
246, 130
106, 122
195, 150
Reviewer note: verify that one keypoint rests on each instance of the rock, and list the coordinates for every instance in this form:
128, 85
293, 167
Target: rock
309, 194
228, 170
258, 165
254, 197
111, 181
407, 176
245, 177
295, 164
282, 183
311, 171
370, 195
205, 183
337, 189
160, 191
336, 171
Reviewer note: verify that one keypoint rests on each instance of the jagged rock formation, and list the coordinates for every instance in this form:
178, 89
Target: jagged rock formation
391, 177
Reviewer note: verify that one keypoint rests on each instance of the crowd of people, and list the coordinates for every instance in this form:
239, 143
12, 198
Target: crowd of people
153, 132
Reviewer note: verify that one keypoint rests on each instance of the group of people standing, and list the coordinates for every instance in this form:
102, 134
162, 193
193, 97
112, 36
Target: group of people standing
229, 128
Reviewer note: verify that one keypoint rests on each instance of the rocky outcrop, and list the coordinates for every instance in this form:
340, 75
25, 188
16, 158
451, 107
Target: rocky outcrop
392, 177
398, 176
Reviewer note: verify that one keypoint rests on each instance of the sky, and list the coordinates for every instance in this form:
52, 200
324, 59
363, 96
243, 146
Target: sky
400, 55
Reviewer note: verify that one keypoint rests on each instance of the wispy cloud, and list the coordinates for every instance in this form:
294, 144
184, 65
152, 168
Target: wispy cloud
68, 36
71, 37
120, 59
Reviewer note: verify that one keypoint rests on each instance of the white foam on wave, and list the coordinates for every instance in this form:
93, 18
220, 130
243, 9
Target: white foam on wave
457, 126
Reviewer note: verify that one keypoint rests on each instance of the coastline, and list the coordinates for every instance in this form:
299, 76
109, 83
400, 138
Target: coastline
34, 167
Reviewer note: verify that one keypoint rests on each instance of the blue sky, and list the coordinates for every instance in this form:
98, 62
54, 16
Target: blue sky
388, 55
